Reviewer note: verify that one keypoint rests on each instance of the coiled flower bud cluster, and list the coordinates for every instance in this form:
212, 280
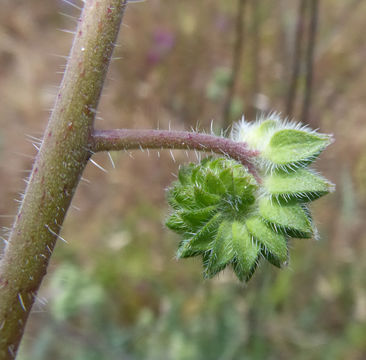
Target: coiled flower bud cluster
231, 218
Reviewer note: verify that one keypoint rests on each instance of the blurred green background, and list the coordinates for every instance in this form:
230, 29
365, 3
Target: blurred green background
115, 290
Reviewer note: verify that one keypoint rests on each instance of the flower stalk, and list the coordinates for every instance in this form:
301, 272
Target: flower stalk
130, 139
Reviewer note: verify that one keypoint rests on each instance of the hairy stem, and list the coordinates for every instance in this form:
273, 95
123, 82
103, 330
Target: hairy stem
57, 169
124, 139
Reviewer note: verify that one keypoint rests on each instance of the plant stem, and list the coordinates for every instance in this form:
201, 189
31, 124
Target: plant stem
57, 169
125, 139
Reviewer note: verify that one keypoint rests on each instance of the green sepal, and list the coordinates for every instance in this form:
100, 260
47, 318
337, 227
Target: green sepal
226, 176
265, 127
213, 184
289, 218
246, 252
289, 147
181, 197
197, 218
203, 198
176, 223
185, 174
200, 241
273, 242
272, 259
199, 175
301, 185
259, 132
221, 250
239, 183
216, 163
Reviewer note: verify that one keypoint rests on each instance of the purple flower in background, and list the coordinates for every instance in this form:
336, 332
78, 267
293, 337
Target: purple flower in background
163, 41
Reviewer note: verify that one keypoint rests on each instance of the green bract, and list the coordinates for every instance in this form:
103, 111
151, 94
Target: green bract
229, 219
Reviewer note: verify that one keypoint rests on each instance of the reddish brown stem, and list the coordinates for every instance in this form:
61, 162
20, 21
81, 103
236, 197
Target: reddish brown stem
125, 139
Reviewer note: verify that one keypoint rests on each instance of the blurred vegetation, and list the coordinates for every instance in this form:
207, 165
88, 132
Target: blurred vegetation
114, 291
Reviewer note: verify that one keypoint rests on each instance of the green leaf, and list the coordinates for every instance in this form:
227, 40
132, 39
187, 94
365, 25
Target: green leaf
289, 218
295, 147
246, 252
301, 185
273, 242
